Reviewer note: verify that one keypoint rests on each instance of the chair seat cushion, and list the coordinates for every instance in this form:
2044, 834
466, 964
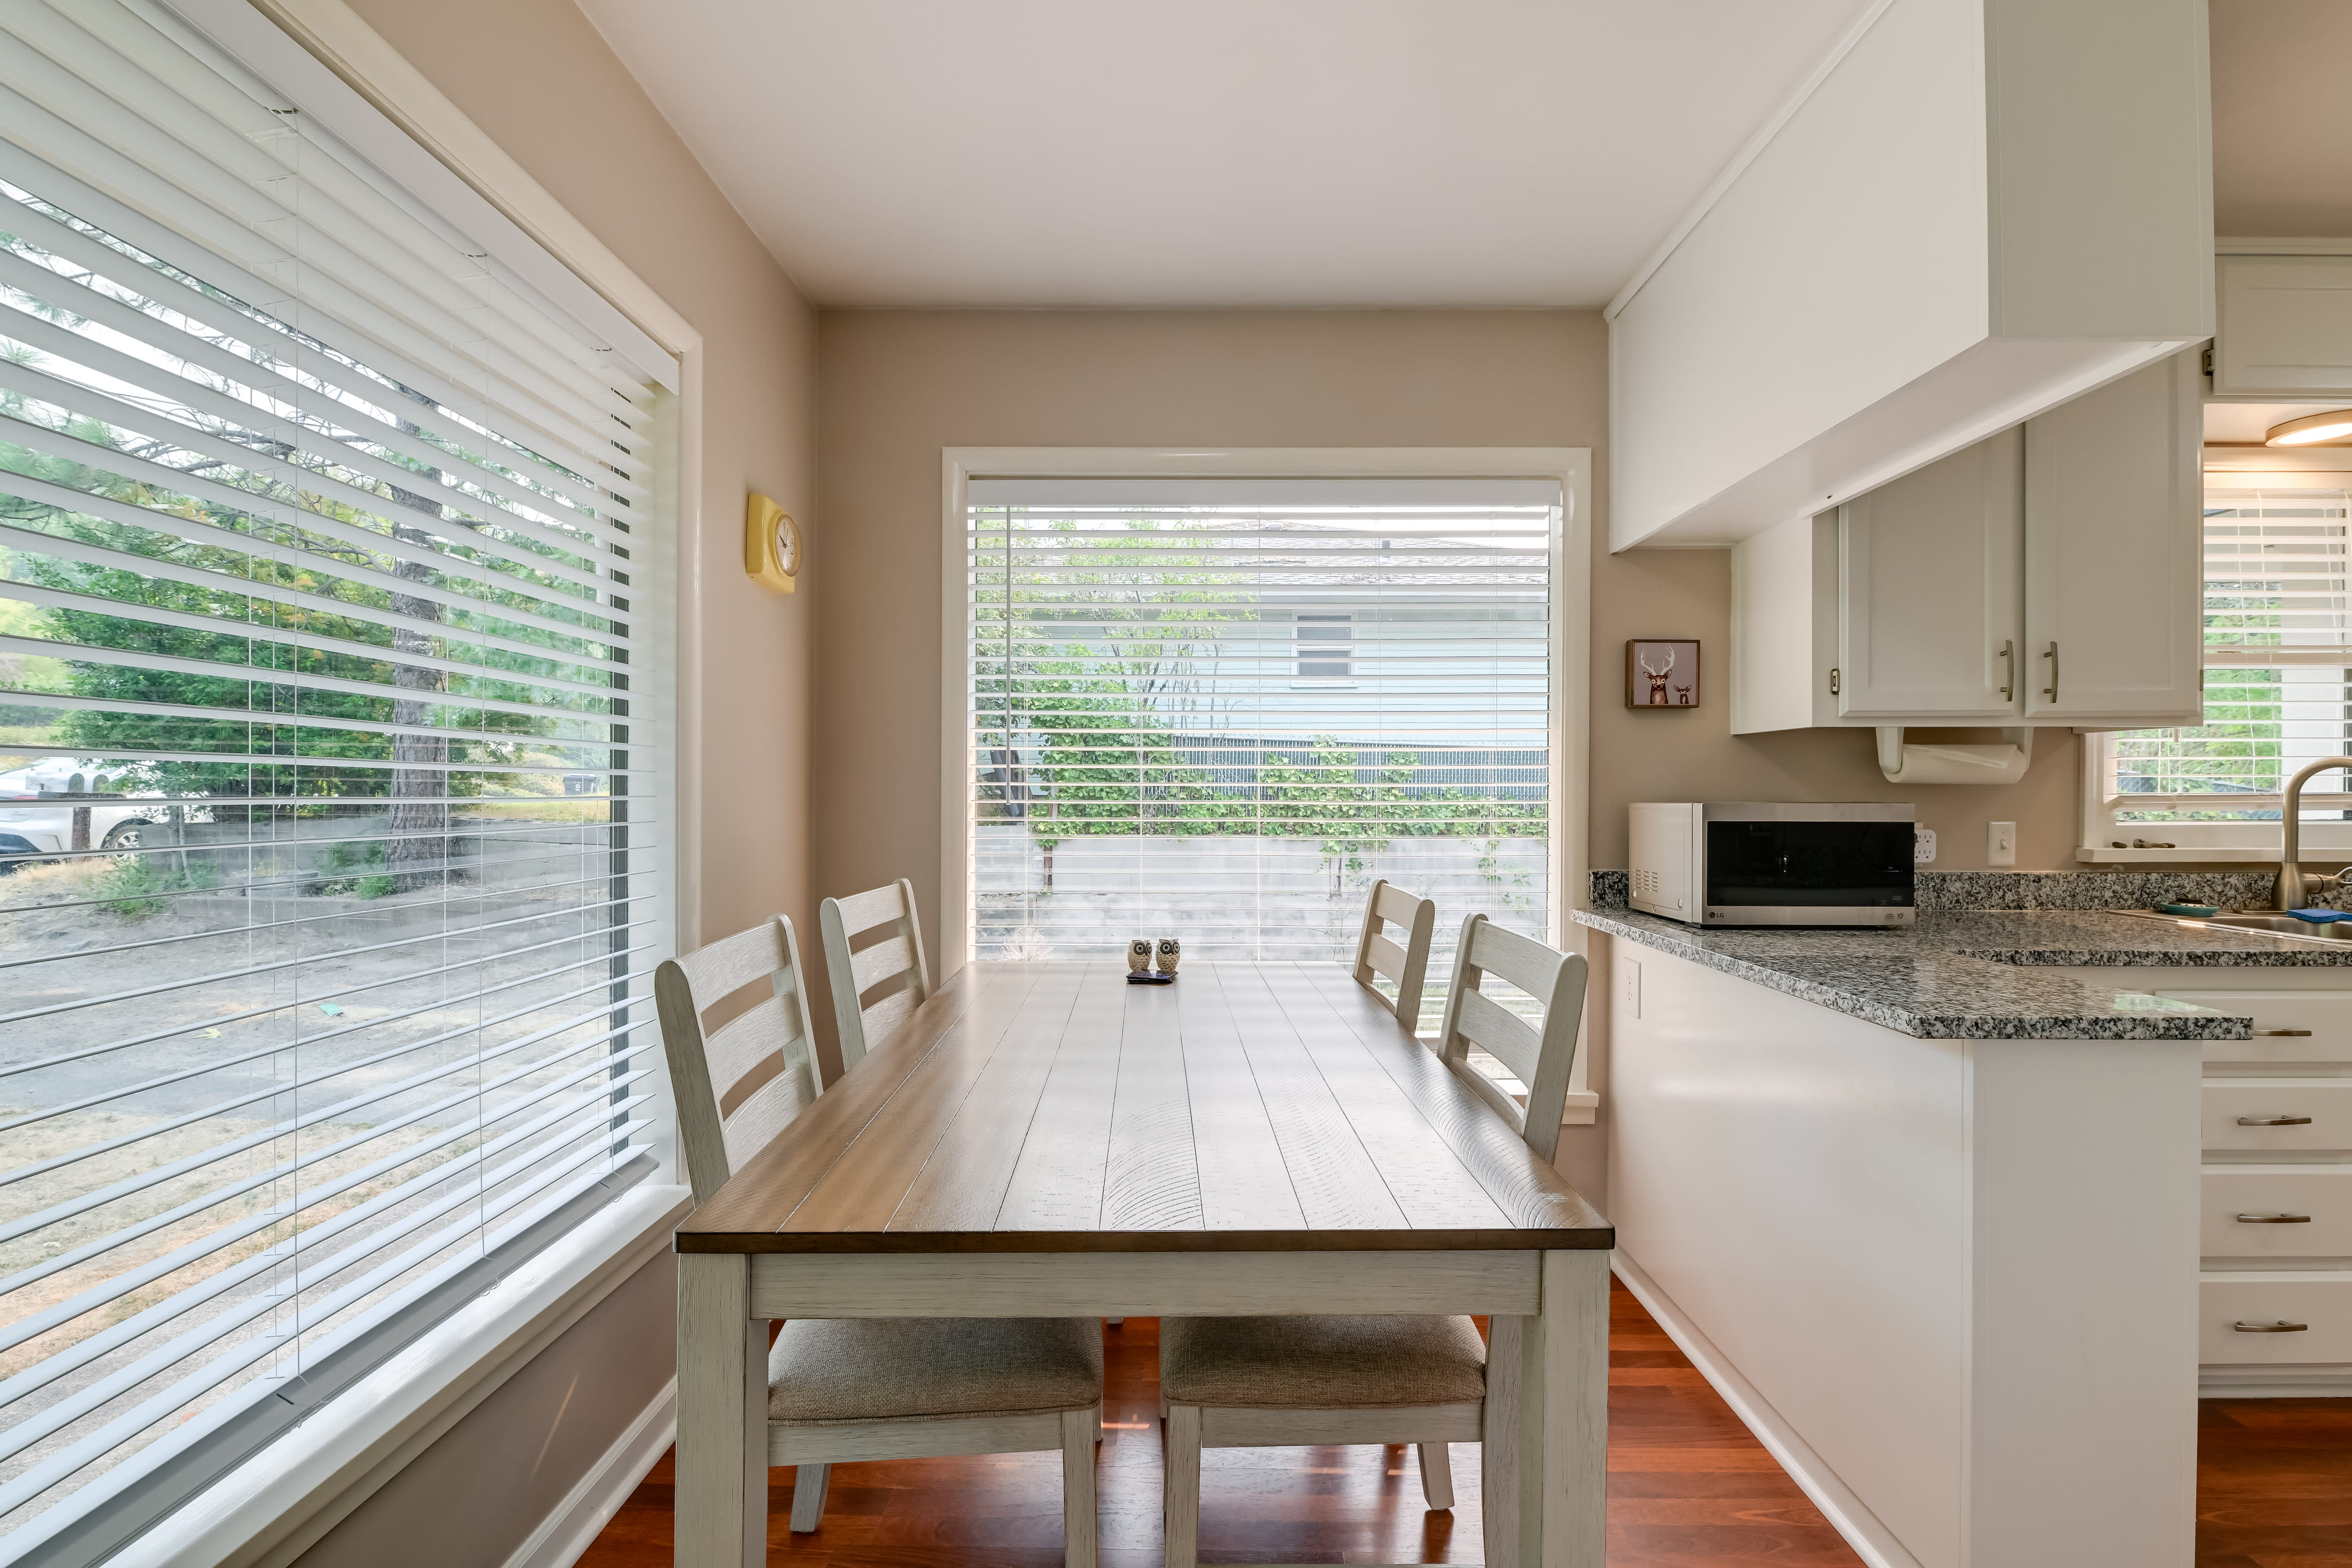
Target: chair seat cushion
885, 1369
1322, 1363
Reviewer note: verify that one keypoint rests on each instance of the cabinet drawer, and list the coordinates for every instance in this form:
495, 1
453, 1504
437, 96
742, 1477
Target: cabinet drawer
2322, 1196
2322, 1304
2321, 1109
2305, 1025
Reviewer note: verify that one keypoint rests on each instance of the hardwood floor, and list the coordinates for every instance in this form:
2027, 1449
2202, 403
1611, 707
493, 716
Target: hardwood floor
2275, 1483
1688, 1488
1688, 1485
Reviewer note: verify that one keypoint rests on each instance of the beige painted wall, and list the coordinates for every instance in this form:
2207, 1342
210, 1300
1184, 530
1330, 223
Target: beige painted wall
474, 1498
897, 386
538, 78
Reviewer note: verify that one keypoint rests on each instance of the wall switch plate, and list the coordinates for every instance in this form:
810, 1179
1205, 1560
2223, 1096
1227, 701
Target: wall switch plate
2001, 844
1923, 847
1629, 986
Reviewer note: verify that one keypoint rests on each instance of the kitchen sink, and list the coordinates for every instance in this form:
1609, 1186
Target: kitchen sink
2287, 925
2269, 924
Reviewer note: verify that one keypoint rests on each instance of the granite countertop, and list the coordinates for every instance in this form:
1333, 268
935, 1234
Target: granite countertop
1971, 975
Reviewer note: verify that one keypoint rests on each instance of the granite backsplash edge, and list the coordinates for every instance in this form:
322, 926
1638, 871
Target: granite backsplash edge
1943, 891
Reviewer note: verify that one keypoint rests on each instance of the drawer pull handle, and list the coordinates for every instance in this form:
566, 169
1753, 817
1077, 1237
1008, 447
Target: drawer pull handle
2266, 1034
2281, 1327
2274, 1219
2274, 1121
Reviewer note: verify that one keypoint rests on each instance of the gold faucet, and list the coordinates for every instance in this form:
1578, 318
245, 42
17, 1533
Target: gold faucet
2292, 887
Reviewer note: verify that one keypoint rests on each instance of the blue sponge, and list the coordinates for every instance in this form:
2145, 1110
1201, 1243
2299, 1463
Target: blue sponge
2320, 917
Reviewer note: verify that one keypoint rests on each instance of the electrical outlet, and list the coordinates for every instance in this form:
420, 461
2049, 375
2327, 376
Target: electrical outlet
2001, 844
1629, 987
1923, 847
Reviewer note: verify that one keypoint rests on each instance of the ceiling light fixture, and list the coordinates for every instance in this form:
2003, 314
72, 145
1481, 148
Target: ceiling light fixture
2311, 429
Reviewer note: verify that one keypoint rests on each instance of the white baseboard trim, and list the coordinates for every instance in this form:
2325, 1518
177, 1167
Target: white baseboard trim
1871, 1540
565, 1535
2272, 1382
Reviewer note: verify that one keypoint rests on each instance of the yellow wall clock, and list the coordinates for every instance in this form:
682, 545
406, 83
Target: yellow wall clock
771, 545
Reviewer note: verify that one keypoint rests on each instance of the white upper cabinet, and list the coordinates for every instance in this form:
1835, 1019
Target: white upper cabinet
1928, 589
2048, 576
2284, 327
1972, 212
2113, 513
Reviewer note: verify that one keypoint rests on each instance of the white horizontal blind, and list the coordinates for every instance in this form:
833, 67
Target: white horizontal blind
1218, 710
330, 841
2278, 671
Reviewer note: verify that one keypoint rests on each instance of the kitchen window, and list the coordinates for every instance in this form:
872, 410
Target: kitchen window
334, 828
2278, 695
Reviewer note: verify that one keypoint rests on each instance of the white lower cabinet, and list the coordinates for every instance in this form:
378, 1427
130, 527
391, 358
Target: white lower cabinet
2276, 1212
2274, 1319
2274, 1223
2282, 1113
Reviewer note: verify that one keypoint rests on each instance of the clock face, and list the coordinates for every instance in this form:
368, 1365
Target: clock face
788, 546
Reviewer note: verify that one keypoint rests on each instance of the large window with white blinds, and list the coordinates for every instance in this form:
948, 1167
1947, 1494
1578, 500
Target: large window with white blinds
332, 848
2278, 688
1220, 709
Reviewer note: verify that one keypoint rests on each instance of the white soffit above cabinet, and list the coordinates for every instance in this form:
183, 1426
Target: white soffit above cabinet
1124, 153
1975, 211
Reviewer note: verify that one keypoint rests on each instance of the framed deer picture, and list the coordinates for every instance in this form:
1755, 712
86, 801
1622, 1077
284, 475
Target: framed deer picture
1661, 674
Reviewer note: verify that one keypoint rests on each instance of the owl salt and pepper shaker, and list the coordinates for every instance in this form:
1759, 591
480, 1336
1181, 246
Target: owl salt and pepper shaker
1139, 955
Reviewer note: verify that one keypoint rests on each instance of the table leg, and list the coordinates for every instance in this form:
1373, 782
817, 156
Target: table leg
722, 1416
1547, 1460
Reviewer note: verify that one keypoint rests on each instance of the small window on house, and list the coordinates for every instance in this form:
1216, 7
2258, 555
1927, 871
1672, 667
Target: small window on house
1327, 647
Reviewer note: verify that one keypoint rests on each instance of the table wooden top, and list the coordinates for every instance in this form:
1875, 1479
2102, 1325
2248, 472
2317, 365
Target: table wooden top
1055, 1108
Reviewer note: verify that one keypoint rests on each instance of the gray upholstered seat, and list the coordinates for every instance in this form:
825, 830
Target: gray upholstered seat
885, 1369
1322, 1363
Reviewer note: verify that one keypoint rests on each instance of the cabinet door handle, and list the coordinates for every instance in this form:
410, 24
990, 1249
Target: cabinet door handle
2274, 1219
2281, 1327
2274, 1121
2050, 691
2007, 670
2282, 1034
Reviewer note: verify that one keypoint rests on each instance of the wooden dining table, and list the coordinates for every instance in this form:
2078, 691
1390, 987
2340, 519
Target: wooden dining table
1046, 1140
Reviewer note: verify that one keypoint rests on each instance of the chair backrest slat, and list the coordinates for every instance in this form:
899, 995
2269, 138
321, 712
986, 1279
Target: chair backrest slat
1508, 1037
853, 974
732, 962
764, 1114
1407, 967
705, 1067
1539, 1056
884, 959
741, 1046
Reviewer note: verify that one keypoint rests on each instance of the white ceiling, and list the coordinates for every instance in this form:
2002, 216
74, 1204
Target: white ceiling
1216, 153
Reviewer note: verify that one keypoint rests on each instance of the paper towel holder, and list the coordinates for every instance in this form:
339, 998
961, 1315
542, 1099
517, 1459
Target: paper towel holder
2001, 765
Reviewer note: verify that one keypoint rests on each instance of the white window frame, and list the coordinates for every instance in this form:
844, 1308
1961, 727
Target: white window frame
348, 78
1571, 571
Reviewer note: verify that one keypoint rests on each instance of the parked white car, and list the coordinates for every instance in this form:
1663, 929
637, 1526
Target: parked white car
47, 827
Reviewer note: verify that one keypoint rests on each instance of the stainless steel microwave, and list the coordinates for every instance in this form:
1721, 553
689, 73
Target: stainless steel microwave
1749, 864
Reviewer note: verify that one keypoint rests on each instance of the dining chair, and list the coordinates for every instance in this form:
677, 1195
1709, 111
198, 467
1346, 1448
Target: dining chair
893, 971
1253, 1383
1379, 956
848, 1389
